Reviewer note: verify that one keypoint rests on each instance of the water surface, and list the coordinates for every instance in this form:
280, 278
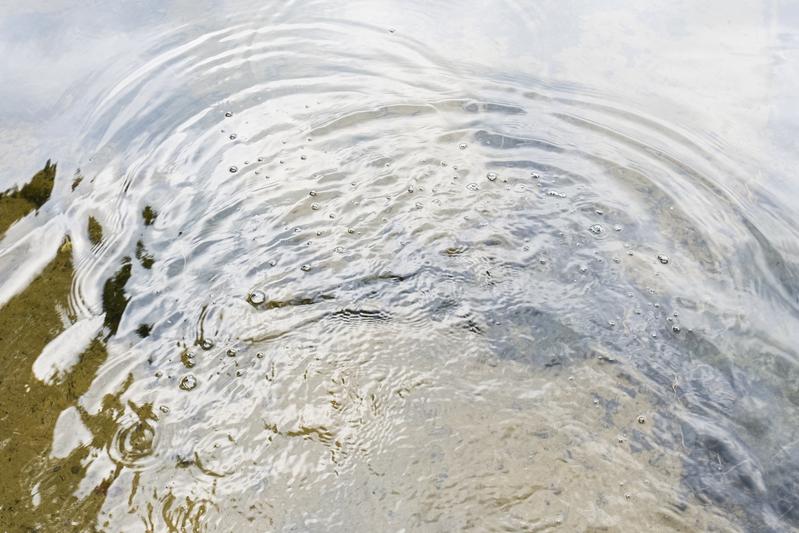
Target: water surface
371, 266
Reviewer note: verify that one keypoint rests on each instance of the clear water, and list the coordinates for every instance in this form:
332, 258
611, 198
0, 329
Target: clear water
412, 266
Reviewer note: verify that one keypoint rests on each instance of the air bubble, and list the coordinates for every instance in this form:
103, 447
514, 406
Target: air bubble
257, 297
188, 383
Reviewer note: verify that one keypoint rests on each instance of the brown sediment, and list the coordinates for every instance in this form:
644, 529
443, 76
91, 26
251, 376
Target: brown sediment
29, 409
149, 215
17, 203
95, 231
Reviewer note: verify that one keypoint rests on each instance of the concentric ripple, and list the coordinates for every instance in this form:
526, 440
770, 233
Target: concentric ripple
360, 281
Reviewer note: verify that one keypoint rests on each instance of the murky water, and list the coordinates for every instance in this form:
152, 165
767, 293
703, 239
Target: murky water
372, 266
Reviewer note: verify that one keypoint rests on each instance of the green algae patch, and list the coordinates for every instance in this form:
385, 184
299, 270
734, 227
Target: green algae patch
16, 203
144, 257
114, 298
144, 330
95, 231
37, 489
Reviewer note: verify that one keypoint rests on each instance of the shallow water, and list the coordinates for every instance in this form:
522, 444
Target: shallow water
367, 266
